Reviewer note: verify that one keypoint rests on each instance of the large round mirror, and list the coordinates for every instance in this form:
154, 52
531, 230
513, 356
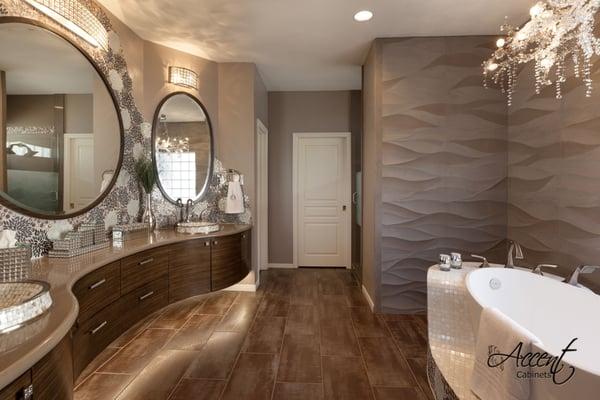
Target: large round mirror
60, 132
183, 147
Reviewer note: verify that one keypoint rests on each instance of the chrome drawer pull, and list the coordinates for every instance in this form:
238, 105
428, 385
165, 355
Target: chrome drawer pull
144, 297
146, 261
28, 392
98, 328
98, 284
206, 244
215, 242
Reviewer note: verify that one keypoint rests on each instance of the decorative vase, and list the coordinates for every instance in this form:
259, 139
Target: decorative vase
148, 215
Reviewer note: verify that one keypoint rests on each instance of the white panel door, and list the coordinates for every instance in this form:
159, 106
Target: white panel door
322, 201
80, 181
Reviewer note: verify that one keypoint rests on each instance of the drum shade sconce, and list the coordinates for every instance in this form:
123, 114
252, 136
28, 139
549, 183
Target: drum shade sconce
75, 17
183, 77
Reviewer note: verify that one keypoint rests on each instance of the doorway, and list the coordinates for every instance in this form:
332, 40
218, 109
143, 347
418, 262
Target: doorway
322, 199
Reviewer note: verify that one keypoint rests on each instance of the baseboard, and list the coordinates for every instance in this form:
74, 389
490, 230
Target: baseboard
242, 287
282, 266
368, 298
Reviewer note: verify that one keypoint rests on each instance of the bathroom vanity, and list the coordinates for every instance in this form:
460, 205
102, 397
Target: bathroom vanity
99, 296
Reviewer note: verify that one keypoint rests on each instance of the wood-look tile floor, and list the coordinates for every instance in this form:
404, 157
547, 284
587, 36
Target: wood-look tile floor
306, 334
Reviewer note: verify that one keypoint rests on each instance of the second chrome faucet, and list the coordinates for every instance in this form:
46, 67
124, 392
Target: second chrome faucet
516, 249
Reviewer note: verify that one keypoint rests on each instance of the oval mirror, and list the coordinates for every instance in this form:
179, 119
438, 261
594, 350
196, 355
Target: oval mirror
59, 126
183, 147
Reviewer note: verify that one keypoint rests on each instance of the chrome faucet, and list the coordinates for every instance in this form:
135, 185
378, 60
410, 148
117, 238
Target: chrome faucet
573, 279
518, 254
179, 204
188, 206
484, 264
538, 269
202, 213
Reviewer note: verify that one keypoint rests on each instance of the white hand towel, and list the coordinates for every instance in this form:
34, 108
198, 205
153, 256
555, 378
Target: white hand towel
8, 239
500, 334
235, 198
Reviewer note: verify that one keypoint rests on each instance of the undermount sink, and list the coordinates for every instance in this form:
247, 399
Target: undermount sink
197, 227
21, 302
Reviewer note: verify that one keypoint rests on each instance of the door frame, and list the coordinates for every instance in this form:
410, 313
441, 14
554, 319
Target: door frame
66, 164
262, 195
348, 168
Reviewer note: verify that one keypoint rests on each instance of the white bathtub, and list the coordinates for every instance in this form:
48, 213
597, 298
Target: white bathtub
556, 313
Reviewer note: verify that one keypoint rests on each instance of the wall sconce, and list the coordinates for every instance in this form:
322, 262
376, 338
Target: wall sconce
183, 77
75, 17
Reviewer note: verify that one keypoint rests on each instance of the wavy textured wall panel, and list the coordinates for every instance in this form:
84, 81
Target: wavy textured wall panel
554, 175
444, 162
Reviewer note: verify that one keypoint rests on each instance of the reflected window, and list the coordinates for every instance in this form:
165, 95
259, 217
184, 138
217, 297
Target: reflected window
178, 174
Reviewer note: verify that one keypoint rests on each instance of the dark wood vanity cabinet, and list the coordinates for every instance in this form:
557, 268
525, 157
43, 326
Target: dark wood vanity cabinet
189, 269
228, 262
17, 389
142, 268
52, 377
97, 290
115, 297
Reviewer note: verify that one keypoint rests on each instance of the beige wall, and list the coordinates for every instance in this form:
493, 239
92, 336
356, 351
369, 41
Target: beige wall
106, 141
2, 129
371, 186
290, 112
79, 113
242, 99
157, 60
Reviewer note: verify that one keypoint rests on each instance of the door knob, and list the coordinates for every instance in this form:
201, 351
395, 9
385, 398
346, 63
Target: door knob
343, 208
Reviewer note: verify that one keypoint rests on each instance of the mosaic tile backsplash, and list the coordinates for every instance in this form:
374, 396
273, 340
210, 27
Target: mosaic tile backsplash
122, 204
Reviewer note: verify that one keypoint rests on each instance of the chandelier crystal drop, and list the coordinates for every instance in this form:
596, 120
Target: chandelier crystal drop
557, 39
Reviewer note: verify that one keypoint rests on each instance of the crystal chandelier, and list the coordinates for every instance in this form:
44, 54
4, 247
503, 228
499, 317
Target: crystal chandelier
559, 32
168, 144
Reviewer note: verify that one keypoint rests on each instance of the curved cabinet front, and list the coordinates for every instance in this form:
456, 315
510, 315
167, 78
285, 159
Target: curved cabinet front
118, 294
149, 281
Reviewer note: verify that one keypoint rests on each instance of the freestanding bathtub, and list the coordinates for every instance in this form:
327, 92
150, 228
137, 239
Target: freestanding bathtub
556, 313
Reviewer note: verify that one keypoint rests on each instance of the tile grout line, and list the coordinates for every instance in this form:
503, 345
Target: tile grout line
228, 379
362, 357
280, 350
385, 322
97, 370
191, 315
183, 376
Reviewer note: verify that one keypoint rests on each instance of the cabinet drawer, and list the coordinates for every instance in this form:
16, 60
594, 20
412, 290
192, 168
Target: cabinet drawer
142, 268
93, 335
98, 289
189, 269
144, 301
16, 390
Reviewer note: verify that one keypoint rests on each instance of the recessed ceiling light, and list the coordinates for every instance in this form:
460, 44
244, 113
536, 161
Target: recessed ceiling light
363, 16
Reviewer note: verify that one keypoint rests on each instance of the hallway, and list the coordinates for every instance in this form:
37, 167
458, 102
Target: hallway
306, 334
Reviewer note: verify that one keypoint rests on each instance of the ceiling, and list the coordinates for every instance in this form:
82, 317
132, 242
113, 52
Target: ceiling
39, 62
308, 44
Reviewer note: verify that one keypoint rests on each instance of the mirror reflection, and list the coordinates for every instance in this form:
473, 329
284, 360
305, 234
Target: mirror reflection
182, 147
59, 128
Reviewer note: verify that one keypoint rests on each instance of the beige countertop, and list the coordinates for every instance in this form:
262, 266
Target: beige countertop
22, 348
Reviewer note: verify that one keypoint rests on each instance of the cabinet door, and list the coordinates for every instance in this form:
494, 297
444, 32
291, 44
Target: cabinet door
189, 269
228, 265
53, 375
